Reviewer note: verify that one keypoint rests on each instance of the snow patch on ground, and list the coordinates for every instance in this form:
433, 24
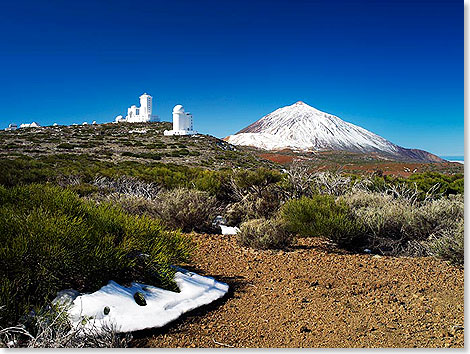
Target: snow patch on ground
163, 306
229, 230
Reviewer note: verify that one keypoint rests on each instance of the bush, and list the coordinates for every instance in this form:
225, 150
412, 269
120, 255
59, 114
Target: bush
256, 179
66, 146
425, 183
434, 216
186, 209
265, 234
52, 240
262, 204
448, 244
321, 215
394, 226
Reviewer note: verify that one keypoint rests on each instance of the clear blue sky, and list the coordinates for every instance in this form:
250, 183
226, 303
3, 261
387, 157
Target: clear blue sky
392, 67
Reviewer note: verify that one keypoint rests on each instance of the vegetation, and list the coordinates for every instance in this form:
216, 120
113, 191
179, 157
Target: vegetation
265, 234
448, 244
138, 142
180, 208
52, 240
322, 216
423, 183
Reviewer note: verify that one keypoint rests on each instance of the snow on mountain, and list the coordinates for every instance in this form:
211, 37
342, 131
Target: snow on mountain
302, 127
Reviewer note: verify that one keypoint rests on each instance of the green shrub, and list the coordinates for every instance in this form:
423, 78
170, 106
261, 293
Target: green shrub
256, 179
143, 155
52, 240
424, 182
66, 146
186, 209
265, 234
321, 215
84, 189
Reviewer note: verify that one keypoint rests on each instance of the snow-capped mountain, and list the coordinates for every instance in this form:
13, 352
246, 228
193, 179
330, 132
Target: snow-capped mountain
302, 127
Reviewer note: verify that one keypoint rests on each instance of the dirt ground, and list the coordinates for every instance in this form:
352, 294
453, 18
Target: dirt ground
314, 296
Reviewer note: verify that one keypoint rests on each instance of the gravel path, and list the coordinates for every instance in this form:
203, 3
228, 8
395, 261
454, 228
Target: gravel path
313, 296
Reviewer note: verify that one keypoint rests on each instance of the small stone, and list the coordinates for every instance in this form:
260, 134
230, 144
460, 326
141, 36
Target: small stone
140, 299
106, 310
305, 329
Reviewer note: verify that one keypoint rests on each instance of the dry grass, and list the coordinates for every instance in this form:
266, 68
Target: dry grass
265, 234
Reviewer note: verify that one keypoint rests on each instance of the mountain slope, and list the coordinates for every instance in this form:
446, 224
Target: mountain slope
302, 127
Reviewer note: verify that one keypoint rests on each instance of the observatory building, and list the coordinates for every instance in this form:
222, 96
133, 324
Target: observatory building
182, 122
30, 125
11, 126
140, 114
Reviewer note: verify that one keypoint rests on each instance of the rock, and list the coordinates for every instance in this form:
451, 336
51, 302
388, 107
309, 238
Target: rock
305, 329
106, 310
140, 299
457, 328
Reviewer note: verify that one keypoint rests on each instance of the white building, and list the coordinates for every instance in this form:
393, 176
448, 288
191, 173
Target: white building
140, 114
30, 125
182, 122
11, 126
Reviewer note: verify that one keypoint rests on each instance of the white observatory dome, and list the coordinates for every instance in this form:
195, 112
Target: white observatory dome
178, 109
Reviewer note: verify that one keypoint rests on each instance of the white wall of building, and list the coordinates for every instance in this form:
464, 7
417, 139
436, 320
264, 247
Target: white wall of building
141, 114
182, 122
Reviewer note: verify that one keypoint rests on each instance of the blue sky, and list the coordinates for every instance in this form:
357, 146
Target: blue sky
392, 67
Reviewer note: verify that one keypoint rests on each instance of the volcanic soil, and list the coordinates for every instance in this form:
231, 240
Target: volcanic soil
317, 296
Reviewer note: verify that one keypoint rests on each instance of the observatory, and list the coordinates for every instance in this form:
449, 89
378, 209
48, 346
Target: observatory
140, 114
11, 126
30, 125
182, 122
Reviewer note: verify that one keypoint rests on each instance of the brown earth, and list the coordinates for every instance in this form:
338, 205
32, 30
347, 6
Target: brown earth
316, 296
355, 163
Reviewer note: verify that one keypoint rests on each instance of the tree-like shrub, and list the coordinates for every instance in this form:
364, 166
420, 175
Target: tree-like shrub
52, 240
322, 216
265, 234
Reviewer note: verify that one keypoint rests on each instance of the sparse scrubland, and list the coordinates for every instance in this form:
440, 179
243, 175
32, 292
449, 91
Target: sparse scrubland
78, 220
